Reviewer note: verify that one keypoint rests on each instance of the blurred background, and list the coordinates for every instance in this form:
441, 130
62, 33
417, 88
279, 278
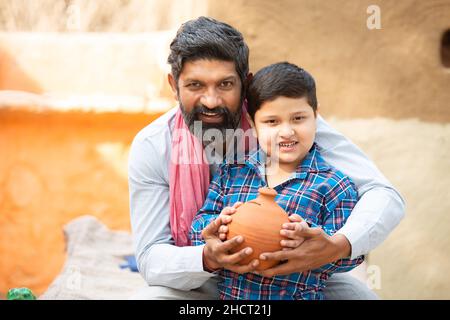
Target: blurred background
78, 80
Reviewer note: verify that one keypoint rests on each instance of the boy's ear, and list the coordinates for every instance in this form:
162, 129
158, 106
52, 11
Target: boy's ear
173, 85
317, 109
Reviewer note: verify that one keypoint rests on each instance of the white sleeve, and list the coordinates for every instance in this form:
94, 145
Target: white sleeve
159, 261
380, 207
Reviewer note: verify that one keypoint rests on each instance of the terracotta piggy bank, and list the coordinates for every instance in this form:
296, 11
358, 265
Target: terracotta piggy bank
259, 221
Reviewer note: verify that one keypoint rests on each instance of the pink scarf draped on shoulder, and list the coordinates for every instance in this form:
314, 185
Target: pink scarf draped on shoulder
188, 177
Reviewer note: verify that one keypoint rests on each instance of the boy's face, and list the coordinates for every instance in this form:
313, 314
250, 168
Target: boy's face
286, 129
209, 91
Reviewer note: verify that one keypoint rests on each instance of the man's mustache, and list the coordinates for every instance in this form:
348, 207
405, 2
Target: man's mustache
203, 109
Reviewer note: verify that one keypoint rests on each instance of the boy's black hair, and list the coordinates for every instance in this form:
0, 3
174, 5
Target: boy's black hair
281, 79
207, 38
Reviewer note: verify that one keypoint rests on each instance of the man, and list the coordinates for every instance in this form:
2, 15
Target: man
209, 72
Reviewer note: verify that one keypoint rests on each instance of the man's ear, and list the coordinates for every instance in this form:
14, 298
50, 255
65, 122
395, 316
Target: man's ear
317, 109
173, 85
248, 79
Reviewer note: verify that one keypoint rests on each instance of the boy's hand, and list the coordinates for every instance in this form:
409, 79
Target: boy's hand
227, 211
317, 249
290, 231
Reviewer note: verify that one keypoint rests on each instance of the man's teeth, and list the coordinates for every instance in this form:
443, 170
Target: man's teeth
210, 114
291, 144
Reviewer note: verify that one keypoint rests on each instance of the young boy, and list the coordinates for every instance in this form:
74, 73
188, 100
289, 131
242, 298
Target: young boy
283, 106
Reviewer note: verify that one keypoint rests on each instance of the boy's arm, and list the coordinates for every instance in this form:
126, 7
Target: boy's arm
380, 206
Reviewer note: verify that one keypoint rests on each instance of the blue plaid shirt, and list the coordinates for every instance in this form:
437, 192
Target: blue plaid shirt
320, 194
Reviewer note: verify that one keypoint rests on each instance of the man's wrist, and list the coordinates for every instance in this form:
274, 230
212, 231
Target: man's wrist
207, 266
342, 245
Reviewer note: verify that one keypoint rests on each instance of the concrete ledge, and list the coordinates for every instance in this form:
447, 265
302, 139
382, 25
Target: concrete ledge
120, 64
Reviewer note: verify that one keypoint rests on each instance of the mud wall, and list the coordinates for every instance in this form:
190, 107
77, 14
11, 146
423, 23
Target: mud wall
388, 91
56, 165
395, 72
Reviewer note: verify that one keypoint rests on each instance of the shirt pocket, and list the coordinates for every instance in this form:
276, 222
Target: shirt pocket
307, 205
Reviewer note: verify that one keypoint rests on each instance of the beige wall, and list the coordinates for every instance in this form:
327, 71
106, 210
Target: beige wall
393, 72
59, 165
370, 84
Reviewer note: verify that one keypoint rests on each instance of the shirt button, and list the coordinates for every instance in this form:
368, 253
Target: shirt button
241, 278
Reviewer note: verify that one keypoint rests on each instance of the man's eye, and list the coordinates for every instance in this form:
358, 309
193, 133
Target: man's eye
226, 84
193, 85
270, 121
299, 118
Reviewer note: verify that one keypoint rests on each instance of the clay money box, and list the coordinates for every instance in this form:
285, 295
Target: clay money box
259, 221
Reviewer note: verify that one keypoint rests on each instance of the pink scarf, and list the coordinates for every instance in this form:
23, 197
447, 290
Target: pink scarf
189, 177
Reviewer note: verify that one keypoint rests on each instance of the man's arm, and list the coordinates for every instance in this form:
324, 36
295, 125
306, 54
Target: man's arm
205, 230
380, 207
160, 262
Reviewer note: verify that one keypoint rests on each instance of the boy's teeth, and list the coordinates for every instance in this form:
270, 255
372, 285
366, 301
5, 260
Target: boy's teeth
287, 144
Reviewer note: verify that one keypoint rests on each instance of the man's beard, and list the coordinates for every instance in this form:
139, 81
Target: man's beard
230, 120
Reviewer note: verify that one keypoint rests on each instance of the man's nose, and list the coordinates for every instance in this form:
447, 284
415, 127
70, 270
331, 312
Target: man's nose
211, 99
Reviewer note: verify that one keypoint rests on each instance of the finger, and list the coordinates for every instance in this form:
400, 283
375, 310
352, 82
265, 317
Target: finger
295, 218
301, 230
304, 230
291, 243
231, 243
237, 204
244, 268
228, 211
280, 269
223, 229
289, 225
211, 229
277, 255
235, 258
291, 234
223, 236
294, 230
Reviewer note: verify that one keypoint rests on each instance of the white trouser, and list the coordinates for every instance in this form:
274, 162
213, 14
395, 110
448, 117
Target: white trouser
340, 286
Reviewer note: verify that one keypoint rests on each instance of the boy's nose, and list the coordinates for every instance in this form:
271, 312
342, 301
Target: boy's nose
286, 131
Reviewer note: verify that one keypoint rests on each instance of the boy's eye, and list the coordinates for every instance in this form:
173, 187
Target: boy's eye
271, 121
299, 118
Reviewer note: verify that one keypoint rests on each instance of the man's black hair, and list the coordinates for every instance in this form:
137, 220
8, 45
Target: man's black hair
207, 38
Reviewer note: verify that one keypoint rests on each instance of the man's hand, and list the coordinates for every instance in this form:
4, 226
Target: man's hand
216, 253
315, 249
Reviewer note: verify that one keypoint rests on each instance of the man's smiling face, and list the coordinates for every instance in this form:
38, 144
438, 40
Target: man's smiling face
209, 91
